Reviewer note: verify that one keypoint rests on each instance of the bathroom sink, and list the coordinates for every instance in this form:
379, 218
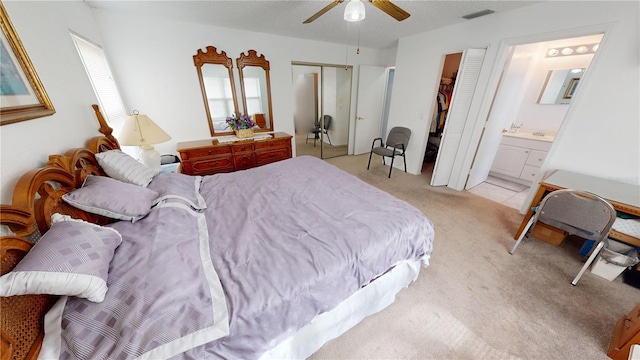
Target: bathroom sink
530, 135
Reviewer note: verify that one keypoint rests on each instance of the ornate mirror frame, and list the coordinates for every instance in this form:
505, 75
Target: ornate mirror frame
211, 56
252, 59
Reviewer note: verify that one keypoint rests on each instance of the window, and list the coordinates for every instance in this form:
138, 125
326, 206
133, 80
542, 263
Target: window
97, 68
253, 95
220, 97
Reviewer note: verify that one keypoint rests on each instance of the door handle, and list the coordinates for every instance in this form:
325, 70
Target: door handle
359, 118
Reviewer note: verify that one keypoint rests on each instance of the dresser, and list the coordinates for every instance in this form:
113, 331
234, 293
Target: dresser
211, 156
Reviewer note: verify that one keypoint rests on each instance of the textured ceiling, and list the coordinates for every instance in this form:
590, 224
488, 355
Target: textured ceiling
285, 17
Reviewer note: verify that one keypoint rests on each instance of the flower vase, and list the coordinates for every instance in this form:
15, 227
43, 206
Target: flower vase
244, 133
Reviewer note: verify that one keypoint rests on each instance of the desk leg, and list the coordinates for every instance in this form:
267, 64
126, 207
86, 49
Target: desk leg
536, 200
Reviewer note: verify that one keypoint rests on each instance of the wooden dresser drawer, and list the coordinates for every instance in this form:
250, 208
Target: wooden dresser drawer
190, 154
209, 166
242, 148
274, 144
266, 157
244, 161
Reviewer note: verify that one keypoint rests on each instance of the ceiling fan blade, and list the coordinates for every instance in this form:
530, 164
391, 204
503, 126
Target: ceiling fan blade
391, 9
324, 10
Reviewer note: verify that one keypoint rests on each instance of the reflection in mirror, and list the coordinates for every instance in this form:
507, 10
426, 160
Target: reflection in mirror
218, 88
560, 86
256, 89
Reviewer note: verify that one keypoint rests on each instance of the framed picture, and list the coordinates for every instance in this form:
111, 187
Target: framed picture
22, 96
571, 89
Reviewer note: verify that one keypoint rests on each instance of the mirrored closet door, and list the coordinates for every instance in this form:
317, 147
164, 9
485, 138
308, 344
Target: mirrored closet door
322, 97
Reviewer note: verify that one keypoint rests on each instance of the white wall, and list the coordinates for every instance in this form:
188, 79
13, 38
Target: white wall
549, 116
600, 136
304, 117
152, 60
44, 28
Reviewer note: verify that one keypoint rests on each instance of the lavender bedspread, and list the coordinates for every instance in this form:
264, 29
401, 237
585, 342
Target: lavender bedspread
286, 241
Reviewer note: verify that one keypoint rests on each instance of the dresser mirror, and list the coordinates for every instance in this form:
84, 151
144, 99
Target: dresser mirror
256, 88
218, 88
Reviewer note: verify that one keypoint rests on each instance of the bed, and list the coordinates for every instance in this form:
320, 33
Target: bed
271, 262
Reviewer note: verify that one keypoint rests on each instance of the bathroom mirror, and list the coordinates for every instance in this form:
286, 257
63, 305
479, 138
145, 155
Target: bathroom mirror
560, 86
256, 89
218, 88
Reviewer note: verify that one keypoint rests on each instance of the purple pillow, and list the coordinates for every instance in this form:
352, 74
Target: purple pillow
72, 258
112, 198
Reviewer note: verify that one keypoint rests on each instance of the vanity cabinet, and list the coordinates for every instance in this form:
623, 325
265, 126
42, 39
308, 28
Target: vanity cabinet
206, 157
519, 160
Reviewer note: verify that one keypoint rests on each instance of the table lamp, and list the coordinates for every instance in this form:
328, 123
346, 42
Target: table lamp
140, 130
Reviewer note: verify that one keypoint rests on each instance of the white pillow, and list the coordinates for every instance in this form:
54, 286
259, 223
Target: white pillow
72, 258
123, 167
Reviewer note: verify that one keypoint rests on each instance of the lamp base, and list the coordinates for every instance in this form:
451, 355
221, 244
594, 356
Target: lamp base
150, 157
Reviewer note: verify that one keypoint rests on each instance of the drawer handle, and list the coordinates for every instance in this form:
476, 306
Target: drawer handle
209, 151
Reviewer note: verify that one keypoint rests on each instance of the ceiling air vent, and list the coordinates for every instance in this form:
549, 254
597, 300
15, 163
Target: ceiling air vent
478, 14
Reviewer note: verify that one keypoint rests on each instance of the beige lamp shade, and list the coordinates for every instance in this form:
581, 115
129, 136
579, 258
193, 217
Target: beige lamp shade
139, 129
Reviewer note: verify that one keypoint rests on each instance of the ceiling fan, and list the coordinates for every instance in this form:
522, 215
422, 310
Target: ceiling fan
385, 5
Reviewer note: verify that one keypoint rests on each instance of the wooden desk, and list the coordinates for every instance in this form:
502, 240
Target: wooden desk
624, 197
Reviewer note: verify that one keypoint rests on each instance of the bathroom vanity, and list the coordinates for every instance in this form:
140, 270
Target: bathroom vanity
520, 156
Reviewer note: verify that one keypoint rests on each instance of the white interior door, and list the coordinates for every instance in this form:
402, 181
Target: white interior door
500, 113
463, 92
371, 85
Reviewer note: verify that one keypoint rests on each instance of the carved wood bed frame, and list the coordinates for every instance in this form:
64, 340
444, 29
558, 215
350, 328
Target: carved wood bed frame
38, 195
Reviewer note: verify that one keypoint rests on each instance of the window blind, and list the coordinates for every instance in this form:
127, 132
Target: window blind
97, 68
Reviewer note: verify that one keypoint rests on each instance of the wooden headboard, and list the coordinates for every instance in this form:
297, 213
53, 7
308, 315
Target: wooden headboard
38, 195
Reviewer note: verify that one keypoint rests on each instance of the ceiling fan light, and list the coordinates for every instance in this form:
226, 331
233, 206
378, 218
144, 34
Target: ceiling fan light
354, 11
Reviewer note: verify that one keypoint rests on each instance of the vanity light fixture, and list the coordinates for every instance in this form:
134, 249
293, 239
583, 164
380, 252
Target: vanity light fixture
582, 49
567, 51
573, 50
354, 11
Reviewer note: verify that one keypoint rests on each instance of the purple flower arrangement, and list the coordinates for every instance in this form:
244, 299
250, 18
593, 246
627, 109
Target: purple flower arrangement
241, 122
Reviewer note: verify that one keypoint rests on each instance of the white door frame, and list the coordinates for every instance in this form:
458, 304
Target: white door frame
458, 119
473, 132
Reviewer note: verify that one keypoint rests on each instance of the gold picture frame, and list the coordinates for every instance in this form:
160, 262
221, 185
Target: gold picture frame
571, 89
21, 93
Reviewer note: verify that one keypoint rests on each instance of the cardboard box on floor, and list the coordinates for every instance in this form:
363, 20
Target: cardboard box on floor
548, 234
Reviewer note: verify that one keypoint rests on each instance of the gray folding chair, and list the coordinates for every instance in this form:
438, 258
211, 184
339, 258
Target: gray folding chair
319, 128
397, 142
578, 213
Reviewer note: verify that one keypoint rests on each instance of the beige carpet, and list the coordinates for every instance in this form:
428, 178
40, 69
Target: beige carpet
306, 147
475, 301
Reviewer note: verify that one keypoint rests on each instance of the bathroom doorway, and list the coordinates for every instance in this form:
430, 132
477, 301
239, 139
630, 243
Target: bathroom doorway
523, 123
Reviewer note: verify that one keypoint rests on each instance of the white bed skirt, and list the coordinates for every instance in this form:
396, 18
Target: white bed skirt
366, 301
